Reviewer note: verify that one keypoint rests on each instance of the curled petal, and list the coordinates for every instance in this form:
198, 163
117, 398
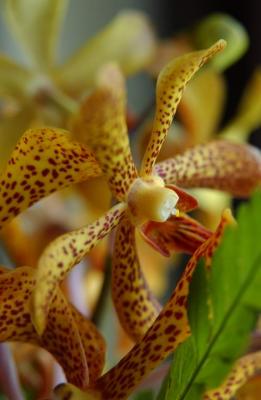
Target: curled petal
37, 28
169, 329
93, 344
223, 165
171, 82
243, 370
178, 233
135, 304
43, 161
61, 255
61, 337
13, 78
131, 48
102, 126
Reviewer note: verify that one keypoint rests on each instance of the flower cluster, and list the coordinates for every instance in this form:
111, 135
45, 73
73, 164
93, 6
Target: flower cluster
152, 201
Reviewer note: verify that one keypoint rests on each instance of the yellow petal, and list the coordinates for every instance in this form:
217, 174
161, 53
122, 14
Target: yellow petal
101, 124
64, 253
171, 82
223, 165
170, 329
36, 27
44, 160
200, 110
61, 337
128, 39
14, 78
248, 117
93, 344
242, 371
134, 302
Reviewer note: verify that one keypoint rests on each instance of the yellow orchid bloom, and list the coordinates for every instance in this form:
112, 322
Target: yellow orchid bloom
47, 159
44, 92
142, 198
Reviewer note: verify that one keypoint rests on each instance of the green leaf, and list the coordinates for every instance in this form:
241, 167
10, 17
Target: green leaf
223, 309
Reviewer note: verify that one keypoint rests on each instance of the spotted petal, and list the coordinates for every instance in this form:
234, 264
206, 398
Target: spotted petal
14, 78
93, 344
178, 233
131, 48
243, 370
36, 27
61, 337
102, 125
170, 329
171, 82
64, 253
235, 168
44, 160
135, 304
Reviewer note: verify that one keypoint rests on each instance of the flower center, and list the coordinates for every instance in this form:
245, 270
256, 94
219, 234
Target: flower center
149, 200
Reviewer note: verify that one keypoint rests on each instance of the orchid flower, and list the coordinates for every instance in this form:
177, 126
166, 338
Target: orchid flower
44, 92
146, 198
170, 328
142, 198
46, 160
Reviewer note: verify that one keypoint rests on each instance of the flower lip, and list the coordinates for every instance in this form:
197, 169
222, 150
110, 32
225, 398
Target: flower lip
149, 200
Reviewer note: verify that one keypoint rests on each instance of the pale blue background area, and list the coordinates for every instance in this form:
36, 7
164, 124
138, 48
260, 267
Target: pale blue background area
84, 18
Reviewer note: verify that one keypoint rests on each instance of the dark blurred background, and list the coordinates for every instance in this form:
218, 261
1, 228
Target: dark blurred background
173, 16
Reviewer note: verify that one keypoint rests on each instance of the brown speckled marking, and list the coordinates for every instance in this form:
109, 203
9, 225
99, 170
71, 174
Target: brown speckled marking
243, 369
134, 302
64, 253
61, 337
223, 165
43, 161
170, 85
170, 329
93, 344
178, 233
102, 126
